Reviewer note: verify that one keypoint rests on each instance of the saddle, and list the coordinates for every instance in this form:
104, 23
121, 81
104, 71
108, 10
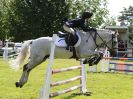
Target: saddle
62, 35
68, 41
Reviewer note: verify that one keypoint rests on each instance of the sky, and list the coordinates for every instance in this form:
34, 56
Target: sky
115, 6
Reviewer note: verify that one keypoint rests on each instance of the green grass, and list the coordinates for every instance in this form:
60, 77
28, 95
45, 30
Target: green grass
102, 85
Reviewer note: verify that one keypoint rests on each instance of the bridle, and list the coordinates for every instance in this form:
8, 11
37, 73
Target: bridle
96, 35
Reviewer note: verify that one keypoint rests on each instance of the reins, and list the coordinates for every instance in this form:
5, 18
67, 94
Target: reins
105, 43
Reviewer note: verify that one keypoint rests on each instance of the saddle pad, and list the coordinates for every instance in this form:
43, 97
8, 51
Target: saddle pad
60, 42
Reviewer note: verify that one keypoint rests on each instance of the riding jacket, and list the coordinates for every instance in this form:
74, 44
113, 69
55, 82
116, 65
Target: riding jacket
78, 23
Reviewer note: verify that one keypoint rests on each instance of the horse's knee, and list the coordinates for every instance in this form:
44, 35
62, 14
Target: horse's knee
25, 68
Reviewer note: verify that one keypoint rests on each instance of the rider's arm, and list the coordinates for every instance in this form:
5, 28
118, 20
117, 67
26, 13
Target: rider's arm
87, 28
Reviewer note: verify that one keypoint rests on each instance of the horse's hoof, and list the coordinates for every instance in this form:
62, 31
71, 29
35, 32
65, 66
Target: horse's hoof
21, 86
17, 84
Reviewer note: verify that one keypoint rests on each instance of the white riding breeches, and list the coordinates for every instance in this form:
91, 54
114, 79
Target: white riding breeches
68, 29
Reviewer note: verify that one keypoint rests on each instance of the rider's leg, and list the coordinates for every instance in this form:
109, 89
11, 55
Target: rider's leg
68, 29
70, 37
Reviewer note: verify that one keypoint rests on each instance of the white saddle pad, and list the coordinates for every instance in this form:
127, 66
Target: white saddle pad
60, 42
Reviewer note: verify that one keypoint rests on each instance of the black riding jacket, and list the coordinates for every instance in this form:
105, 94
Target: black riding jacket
78, 23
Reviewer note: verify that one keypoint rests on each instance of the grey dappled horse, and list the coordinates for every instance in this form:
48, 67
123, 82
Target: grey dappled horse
40, 50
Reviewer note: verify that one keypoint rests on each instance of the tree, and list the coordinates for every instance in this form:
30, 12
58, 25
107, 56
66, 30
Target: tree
34, 18
3, 20
126, 16
98, 7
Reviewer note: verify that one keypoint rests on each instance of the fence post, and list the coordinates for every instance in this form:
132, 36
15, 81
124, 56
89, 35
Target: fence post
45, 91
83, 79
5, 53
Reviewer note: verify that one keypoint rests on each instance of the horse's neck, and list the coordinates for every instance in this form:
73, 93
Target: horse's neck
87, 41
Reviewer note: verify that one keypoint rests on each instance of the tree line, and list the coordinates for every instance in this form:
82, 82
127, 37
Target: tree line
29, 19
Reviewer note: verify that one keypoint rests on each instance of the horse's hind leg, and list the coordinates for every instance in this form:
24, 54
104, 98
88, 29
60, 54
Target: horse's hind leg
24, 76
27, 68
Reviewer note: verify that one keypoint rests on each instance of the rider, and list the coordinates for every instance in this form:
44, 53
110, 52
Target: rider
80, 23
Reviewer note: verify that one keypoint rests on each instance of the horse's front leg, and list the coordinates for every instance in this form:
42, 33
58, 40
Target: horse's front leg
89, 53
95, 57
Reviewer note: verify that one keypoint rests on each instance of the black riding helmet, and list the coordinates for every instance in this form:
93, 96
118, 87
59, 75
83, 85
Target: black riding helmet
86, 15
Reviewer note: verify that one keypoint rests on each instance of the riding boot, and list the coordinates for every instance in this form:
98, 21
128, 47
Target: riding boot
70, 42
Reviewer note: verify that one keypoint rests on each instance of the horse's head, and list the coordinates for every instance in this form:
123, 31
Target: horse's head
101, 38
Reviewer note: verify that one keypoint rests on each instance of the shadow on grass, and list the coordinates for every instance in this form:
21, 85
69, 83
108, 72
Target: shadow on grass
76, 95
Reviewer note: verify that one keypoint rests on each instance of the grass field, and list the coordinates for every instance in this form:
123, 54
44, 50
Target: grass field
102, 85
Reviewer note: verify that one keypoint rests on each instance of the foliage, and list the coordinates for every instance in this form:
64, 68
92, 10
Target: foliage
3, 19
29, 19
110, 22
34, 18
126, 16
98, 7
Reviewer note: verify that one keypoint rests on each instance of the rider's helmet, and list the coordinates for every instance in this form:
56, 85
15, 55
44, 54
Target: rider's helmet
86, 15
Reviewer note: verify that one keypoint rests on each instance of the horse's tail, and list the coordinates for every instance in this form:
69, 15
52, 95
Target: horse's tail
21, 56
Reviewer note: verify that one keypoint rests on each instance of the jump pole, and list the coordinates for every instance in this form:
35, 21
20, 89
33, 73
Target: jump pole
83, 79
45, 91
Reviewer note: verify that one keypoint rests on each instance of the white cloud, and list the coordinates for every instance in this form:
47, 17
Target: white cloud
115, 6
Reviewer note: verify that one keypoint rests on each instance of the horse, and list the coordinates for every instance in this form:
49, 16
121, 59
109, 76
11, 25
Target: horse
39, 50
